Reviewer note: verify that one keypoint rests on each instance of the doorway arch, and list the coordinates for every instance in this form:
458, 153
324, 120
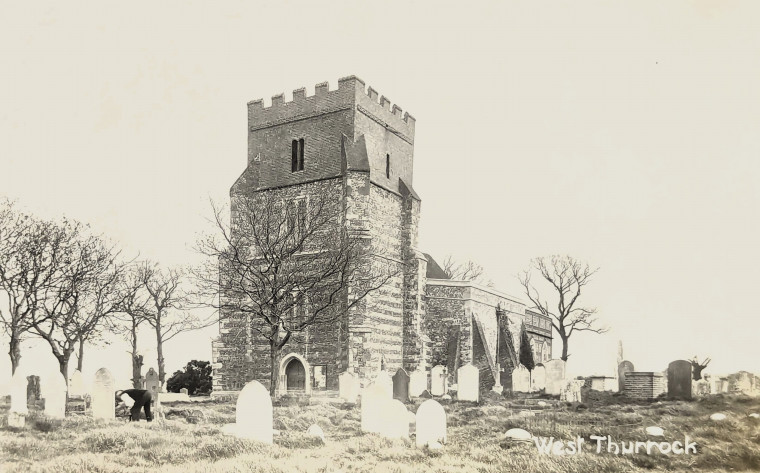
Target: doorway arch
295, 374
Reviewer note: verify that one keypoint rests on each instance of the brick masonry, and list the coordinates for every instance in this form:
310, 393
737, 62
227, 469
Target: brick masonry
645, 384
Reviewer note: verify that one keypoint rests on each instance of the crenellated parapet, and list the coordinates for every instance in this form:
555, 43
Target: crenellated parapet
351, 95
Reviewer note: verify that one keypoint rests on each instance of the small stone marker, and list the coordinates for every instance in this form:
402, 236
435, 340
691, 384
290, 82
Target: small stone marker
183, 391
655, 431
374, 407
755, 415
555, 376
718, 416
679, 380
418, 382
316, 431
438, 380
468, 377
538, 378
519, 435
253, 414
520, 379
348, 387
401, 385
572, 391
103, 395
431, 423
395, 421
624, 367
76, 384
54, 386
426, 395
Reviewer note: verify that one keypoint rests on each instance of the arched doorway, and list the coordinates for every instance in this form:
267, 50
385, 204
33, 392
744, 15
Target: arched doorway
295, 375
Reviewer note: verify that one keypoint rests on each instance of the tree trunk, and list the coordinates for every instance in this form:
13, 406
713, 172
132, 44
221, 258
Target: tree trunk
564, 347
80, 355
63, 363
137, 360
160, 353
15, 352
274, 379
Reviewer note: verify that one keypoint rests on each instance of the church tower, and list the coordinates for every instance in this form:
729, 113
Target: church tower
352, 143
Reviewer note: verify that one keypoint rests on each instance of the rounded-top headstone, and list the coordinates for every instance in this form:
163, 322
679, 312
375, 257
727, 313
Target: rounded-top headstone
54, 388
385, 381
468, 381
395, 421
316, 431
375, 401
518, 434
679, 380
17, 390
431, 423
253, 414
103, 395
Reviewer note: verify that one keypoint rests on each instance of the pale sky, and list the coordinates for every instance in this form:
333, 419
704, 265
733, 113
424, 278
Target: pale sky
622, 133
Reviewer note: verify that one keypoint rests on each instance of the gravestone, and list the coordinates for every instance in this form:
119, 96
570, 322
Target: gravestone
431, 423
54, 387
418, 382
401, 385
103, 395
253, 413
348, 387
383, 379
520, 379
395, 423
76, 384
152, 383
438, 380
538, 377
623, 369
555, 376
183, 391
679, 380
374, 408
468, 380
571, 392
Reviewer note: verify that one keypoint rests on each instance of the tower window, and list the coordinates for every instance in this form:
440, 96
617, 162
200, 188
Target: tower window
296, 163
388, 166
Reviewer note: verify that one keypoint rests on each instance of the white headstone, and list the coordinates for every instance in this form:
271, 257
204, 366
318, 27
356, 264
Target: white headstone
152, 383
54, 388
518, 435
418, 382
468, 381
431, 423
316, 431
438, 380
384, 380
395, 421
538, 378
655, 431
348, 386
76, 384
103, 395
521, 379
571, 392
253, 413
375, 402
18, 392
555, 376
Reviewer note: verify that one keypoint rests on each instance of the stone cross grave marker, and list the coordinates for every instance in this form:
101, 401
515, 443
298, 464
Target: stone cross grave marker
438, 380
431, 423
76, 384
348, 386
54, 387
623, 369
401, 385
103, 395
374, 408
468, 380
418, 382
555, 376
679, 380
253, 413
538, 377
520, 379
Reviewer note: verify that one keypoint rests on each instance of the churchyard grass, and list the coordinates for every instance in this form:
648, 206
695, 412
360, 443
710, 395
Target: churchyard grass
475, 440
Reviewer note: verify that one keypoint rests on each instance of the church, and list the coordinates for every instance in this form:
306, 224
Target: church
351, 141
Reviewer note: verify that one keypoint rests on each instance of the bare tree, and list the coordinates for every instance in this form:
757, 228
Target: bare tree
283, 266
82, 294
697, 367
166, 310
131, 314
565, 277
31, 251
467, 271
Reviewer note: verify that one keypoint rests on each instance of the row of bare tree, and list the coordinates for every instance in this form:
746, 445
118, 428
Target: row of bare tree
65, 284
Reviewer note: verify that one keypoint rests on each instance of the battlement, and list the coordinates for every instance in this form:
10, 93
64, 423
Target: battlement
351, 95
